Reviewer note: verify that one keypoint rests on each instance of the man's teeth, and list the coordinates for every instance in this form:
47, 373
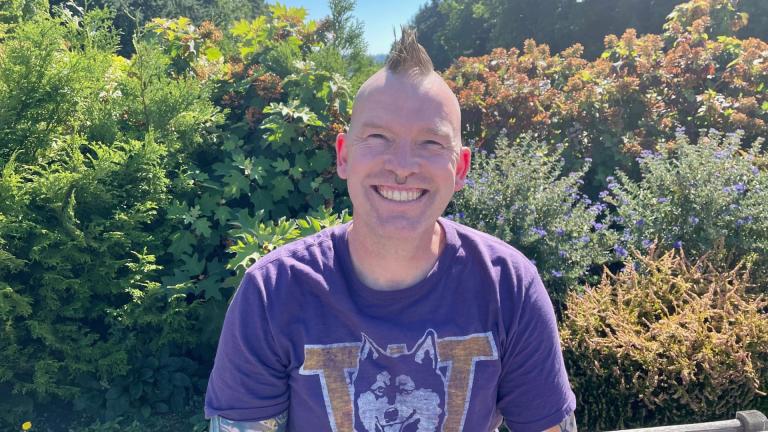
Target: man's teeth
396, 195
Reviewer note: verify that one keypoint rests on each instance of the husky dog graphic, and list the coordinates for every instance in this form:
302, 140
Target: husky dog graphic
399, 393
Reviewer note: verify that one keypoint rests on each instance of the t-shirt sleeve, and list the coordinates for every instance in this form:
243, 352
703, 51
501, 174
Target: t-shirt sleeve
249, 380
534, 392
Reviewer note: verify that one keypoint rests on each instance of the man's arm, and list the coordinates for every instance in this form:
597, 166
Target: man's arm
277, 424
567, 425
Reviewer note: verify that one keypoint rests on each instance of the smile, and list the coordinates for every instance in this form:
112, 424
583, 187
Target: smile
399, 195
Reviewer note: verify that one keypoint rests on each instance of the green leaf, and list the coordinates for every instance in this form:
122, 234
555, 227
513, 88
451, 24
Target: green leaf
202, 226
764, 107
321, 161
135, 389
281, 165
326, 190
222, 214
281, 186
181, 380
182, 243
213, 53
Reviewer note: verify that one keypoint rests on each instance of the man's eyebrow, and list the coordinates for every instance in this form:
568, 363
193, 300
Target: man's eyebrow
446, 132
373, 125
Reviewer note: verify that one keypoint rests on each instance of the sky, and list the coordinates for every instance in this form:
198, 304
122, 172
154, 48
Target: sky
379, 17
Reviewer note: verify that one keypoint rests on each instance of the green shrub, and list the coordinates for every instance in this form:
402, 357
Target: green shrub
521, 195
75, 254
273, 159
51, 69
695, 195
670, 342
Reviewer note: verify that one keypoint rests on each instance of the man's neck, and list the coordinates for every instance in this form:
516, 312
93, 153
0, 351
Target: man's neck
388, 264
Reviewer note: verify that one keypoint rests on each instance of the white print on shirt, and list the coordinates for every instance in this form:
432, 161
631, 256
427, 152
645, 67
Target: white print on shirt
428, 388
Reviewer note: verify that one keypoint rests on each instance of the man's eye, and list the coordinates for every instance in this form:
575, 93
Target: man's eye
377, 136
433, 143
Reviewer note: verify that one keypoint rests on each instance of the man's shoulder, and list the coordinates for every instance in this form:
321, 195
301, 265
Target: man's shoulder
314, 251
477, 242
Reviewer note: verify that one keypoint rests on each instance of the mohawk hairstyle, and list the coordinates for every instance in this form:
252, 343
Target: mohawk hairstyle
408, 56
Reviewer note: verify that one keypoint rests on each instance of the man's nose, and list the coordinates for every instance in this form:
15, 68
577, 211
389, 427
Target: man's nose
401, 160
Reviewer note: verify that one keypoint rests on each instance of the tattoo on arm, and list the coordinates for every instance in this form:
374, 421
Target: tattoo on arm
568, 424
277, 424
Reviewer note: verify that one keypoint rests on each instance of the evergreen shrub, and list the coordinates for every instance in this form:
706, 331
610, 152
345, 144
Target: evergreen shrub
666, 341
75, 260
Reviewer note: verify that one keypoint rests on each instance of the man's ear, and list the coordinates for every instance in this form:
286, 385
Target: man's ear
341, 155
462, 168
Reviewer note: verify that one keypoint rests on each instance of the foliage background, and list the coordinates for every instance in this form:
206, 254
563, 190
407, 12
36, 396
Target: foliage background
142, 173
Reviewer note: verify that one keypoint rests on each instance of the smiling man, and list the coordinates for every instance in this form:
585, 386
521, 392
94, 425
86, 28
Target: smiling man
399, 321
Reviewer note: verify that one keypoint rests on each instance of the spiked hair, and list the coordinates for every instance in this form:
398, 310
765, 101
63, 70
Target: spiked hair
408, 56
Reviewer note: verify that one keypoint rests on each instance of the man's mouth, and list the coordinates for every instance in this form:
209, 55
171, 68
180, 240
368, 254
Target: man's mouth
399, 195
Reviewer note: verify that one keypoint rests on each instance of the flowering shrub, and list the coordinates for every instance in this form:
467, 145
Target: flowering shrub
642, 89
521, 195
694, 196
670, 342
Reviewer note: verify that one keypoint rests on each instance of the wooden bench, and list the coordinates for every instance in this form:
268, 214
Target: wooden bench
745, 421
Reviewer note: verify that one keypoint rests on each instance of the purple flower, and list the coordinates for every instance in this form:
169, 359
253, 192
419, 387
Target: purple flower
678, 244
449, 217
557, 274
620, 251
461, 215
587, 201
640, 222
647, 243
720, 154
739, 187
662, 200
539, 230
469, 182
755, 170
727, 189
618, 219
734, 206
610, 179
680, 130
584, 239
560, 232
746, 220
597, 226
603, 194
693, 220
612, 186
500, 218
562, 253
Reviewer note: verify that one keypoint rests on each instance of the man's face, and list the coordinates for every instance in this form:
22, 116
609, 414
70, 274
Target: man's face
402, 157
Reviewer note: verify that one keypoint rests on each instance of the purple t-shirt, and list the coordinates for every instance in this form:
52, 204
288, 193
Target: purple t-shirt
473, 342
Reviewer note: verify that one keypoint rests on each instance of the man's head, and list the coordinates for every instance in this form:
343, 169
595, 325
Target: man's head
402, 157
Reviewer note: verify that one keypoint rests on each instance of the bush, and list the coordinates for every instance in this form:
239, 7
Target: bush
696, 195
635, 97
521, 195
51, 70
75, 259
670, 342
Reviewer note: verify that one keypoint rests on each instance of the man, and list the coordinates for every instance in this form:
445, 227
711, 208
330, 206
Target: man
399, 321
